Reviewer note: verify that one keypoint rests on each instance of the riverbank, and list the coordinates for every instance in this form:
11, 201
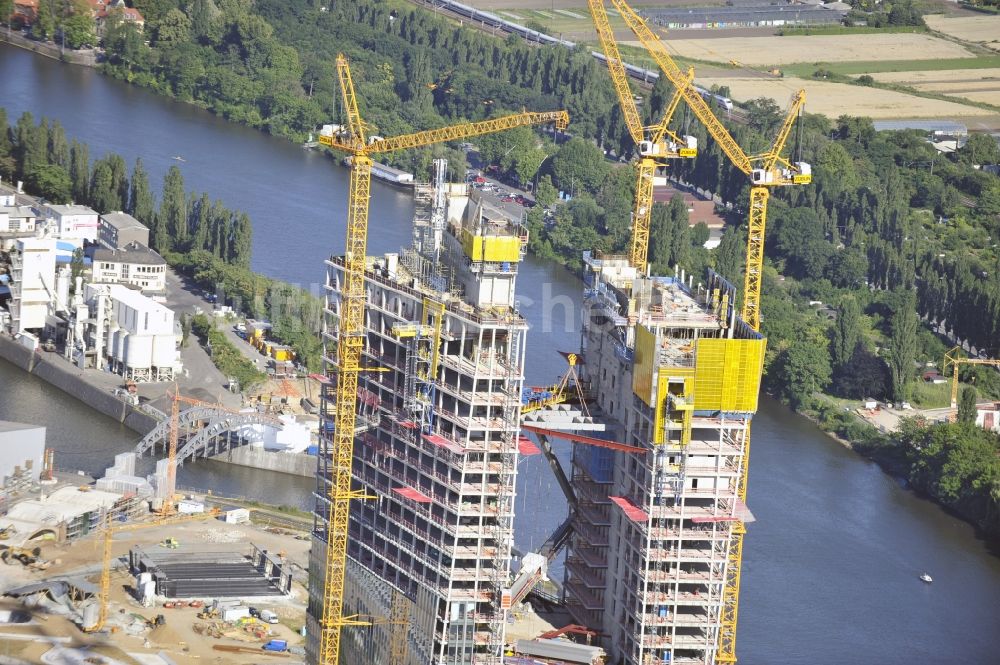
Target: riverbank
73, 381
84, 58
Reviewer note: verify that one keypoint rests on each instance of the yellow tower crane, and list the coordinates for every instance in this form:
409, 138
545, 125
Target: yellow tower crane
650, 142
355, 142
954, 358
766, 170
104, 594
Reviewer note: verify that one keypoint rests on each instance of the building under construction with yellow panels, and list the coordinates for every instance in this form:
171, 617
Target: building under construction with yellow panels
677, 373
436, 447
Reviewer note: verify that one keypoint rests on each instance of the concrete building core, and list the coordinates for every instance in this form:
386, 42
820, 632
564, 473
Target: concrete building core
677, 373
436, 438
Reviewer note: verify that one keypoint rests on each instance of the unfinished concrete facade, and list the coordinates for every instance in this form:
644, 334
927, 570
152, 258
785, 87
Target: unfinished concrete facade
436, 443
677, 373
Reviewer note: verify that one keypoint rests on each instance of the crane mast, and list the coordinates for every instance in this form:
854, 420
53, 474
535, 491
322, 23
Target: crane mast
648, 140
351, 328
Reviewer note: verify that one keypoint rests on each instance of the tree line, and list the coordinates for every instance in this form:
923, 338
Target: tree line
61, 171
195, 234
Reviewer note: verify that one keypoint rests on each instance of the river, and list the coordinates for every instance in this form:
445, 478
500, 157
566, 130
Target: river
831, 563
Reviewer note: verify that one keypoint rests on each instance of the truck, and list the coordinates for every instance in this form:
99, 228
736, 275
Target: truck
267, 616
276, 645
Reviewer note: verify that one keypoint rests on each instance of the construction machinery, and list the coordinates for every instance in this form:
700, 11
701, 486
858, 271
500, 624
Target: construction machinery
654, 144
765, 170
353, 140
954, 358
104, 594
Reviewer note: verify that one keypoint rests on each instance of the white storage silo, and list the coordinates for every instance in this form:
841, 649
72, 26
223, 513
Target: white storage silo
139, 351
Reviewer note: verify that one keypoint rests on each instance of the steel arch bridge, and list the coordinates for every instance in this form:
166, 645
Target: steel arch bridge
205, 431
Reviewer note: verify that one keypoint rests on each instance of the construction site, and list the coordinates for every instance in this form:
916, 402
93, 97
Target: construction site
423, 418
423, 413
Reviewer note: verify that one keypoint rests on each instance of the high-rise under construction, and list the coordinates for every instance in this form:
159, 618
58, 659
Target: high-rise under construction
436, 442
676, 374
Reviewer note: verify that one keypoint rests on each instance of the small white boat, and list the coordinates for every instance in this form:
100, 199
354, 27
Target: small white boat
924, 577
179, 158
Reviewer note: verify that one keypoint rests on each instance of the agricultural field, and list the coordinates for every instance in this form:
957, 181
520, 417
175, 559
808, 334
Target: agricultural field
982, 30
765, 51
836, 99
981, 85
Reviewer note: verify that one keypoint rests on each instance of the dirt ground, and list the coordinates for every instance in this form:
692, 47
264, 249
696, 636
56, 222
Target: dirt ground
980, 29
179, 638
760, 51
836, 99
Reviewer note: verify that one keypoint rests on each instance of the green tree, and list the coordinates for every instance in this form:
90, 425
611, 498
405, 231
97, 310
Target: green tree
79, 170
845, 335
546, 193
77, 267
46, 20
78, 25
175, 28
8, 164
50, 181
802, 369
58, 146
242, 240
103, 193
140, 201
172, 216
730, 255
578, 166
902, 345
967, 406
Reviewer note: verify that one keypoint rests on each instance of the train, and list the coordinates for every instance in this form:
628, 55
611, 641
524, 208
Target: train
490, 19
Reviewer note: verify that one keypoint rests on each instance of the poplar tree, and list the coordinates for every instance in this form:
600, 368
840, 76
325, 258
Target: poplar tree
846, 333
902, 345
79, 170
140, 201
172, 215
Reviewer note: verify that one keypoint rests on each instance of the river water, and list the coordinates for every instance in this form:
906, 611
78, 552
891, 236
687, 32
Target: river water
831, 563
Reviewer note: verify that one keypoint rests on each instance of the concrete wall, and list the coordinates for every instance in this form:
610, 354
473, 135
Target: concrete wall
85, 58
295, 464
67, 378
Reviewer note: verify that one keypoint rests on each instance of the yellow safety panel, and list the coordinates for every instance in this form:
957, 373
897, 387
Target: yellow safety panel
727, 374
491, 248
643, 366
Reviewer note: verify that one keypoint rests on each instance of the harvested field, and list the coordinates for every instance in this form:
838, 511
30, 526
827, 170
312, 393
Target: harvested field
943, 76
759, 51
983, 30
986, 96
836, 99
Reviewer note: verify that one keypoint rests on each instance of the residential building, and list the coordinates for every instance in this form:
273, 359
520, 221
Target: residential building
32, 284
117, 229
988, 416
676, 374
15, 222
133, 265
120, 328
25, 12
101, 10
436, 438
72, 222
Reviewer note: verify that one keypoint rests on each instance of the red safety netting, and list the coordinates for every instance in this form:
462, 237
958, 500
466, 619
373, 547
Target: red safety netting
526, 446
442, 442
411, 493
632, 511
